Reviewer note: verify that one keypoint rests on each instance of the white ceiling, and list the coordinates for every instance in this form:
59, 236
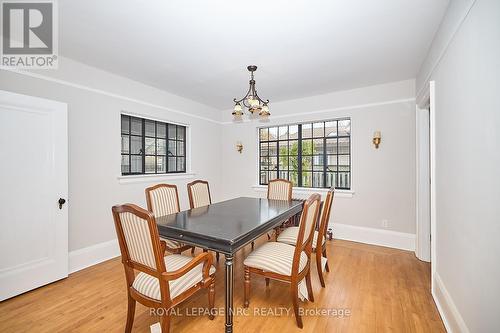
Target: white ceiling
200, 49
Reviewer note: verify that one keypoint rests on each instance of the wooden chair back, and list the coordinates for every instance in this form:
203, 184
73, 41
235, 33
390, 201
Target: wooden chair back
162, 199
306, 228
279, 189
140, 244
325, 216
199, 194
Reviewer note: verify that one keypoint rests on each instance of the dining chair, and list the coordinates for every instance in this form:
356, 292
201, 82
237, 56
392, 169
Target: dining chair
163, 199
161, 282
279, 189
289, 236
199, 196
287, 263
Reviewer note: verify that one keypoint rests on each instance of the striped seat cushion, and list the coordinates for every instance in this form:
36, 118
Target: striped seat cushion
278, 258
275, 257
149, 286
289, 236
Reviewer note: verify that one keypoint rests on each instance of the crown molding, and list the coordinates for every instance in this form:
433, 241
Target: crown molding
107, 93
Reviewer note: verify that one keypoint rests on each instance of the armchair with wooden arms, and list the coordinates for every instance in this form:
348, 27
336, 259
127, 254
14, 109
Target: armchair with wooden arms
155, 280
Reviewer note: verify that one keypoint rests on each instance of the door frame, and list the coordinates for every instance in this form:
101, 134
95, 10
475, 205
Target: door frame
428, 102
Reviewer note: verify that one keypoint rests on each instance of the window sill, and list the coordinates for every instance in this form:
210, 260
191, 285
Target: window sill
154, 178
307, 191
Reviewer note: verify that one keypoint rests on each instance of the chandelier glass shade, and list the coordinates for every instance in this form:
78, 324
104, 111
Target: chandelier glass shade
251, 101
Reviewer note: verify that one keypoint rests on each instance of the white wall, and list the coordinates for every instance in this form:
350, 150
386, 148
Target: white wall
467, 81
383, 179
94, 141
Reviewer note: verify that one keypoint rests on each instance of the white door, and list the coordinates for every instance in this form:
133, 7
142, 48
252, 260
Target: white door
33, 177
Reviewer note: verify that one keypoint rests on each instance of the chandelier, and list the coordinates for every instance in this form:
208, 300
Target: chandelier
251, 101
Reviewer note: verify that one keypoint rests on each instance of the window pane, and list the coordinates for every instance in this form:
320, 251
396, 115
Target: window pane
172, 148
149, 126
318, 163
273, 163
283, 162
150, 164
343, 159
264, 162
317, 179
294, 178
318, 146
293, 132
283, 133
161, 146
172, 131
263, 178
283, 174
161, 130
344, 127
180, 148
264, 134
125, 144
293, 147
136, 145
344, 180
331, 146
283, 147
344, 146
264, 149
273, 149
332, 163
125, 124
307, 147
273, 133
125, 163
273, 175
161, 164
136, 164
306, 179
306, 130
172, 166
180, 164
293, 163
330, 128
181, 133
318, 130
331, 179
306, 163
136, 126
149, 145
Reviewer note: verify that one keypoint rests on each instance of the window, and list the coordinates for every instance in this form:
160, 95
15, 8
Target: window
152, 147
310, 154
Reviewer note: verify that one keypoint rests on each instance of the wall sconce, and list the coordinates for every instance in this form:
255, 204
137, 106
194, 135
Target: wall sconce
239, 147
377, 137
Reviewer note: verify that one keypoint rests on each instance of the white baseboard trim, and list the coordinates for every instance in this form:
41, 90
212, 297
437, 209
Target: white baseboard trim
394, 239
453, 321
92, 255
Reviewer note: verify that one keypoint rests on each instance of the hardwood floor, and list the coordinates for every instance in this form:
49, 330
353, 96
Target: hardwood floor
385, 290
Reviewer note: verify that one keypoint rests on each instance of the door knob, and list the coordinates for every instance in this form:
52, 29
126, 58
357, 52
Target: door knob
61, 202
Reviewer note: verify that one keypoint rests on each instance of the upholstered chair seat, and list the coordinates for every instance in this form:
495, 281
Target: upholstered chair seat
149, 286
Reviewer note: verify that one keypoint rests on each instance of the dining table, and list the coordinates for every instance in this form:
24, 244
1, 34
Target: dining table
226, 227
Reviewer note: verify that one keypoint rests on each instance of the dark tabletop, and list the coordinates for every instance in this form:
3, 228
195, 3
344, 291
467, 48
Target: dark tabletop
227, 226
